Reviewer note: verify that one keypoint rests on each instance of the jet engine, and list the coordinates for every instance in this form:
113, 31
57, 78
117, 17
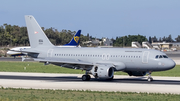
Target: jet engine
102, 71
136, 73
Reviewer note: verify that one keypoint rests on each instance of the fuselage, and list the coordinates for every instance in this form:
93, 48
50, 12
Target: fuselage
133, 59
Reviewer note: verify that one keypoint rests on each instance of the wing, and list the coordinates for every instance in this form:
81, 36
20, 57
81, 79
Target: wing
80, 64
68, 63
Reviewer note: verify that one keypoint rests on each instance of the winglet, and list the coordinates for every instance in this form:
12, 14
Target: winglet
75, 40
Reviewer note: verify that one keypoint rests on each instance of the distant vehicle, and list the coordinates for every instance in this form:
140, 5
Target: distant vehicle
73, 43
100, 62
174, 49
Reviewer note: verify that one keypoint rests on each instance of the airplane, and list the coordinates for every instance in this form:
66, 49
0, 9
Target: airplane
99, 62
73, 43
12, 52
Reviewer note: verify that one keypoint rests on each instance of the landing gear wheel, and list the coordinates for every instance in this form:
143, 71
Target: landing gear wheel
86, 77
150, 79
111, 78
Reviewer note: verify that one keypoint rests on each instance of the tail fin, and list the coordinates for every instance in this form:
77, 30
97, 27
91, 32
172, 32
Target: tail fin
75, 40
36, 35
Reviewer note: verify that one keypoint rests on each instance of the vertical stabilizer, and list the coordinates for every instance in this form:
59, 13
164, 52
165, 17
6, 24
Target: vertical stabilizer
36, 35
75, 40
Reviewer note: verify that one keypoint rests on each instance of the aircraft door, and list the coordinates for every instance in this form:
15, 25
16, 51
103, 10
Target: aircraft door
49, 53
145, 57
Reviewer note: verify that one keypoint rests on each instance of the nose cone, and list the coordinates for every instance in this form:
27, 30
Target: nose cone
8, 52
170, 64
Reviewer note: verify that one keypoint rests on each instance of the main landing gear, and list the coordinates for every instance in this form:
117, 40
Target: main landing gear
86, 77
149, 77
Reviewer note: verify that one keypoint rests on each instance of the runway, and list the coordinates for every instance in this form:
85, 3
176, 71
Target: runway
13, 59
74, 82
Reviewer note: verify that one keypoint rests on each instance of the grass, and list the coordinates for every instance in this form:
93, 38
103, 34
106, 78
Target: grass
35, 67
12, 94
41, 68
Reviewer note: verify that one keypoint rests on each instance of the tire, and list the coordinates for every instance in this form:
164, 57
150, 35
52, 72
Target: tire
150, 79
84, 78
88, 77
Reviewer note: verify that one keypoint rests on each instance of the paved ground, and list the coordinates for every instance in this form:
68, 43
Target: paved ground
73, 81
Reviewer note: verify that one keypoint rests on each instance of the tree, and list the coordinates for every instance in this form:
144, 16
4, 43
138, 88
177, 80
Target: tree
178, 38
160, 40
154, 39
126, 40
150, 40
169, 39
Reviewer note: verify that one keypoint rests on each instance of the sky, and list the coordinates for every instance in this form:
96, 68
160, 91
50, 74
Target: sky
99, 18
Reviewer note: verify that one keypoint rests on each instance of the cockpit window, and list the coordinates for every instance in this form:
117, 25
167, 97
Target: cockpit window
161, 56
164, 56
157, 56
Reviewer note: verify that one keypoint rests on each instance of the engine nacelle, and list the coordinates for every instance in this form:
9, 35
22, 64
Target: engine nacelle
103, 71
136, 73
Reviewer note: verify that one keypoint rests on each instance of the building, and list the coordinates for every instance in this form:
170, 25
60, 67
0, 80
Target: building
136, 45
164, 46
107, 42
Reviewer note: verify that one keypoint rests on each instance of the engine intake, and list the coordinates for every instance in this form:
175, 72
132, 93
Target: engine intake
103, 71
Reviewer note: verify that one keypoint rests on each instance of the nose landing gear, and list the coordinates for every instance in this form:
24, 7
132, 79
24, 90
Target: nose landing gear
149, 77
